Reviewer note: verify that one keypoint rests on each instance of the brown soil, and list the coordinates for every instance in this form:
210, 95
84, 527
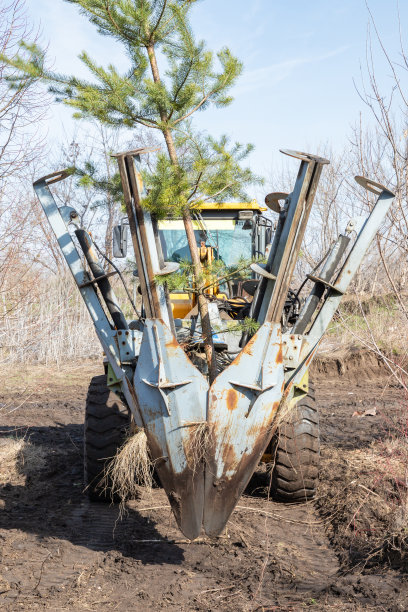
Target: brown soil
61, 552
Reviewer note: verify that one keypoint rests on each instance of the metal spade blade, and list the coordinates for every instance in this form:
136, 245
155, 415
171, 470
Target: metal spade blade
243, 401
172, 397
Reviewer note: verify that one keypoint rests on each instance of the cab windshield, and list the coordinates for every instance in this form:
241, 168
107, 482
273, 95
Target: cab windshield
230, 238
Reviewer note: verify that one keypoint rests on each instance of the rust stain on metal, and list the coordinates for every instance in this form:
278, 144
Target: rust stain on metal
213, 397
256, 430
279, 356
172, 344
223, 496
229, 456
248, 349
185, 489
232, 399
239, 357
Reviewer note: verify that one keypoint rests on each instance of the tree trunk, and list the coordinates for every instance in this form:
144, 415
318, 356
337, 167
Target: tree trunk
188, 226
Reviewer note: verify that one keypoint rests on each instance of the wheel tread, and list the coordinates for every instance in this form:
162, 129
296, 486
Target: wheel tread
296, 449
106, 420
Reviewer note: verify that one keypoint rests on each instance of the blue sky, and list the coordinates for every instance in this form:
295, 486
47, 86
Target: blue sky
300, 60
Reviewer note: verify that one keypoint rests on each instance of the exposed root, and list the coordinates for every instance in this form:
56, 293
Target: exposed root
200, 440
130, 469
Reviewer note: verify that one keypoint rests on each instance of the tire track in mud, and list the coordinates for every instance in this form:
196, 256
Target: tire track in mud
298, 560
91, 532
261, 558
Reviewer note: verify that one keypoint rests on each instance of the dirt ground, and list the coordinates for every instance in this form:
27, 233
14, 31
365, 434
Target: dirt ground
61, 552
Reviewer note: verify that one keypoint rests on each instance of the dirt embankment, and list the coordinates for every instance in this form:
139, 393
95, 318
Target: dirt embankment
61, 552
353, 366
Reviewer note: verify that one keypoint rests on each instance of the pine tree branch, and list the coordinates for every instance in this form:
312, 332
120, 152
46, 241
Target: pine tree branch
217, 193
115, 25
196, 186
174, 99
193, 110
151, 122
158, 21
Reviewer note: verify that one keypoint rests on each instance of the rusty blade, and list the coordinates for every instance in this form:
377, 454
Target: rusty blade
172, 399
243, 401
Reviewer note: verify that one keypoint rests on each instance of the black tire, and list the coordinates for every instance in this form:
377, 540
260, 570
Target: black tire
106, 422
296, 452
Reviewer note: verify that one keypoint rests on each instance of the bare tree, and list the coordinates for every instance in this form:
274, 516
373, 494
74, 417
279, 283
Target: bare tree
21, 111
381, 150
21, 107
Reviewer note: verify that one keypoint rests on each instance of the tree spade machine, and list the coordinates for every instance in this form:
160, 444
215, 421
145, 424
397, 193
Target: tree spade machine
155, 364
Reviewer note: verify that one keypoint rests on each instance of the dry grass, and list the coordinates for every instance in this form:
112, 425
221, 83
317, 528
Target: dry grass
19, 460
361, 322
130, 469
45, 320
199, 443
364, 496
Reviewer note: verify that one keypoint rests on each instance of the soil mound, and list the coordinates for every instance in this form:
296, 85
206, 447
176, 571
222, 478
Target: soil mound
354, 366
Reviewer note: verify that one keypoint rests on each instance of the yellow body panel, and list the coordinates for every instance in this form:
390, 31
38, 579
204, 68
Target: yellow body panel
253, 205
210, 224
181, 304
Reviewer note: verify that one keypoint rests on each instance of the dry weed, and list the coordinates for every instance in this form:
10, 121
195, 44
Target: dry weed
199, 443
53, 330
364, 496
130, 469
19, 459
360, 323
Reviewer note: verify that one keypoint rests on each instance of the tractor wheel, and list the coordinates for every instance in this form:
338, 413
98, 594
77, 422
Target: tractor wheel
106, 421
296, 452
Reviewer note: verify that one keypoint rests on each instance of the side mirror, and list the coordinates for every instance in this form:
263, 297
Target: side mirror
119, 240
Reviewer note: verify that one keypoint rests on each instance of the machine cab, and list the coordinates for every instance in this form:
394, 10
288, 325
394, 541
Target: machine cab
229, 232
